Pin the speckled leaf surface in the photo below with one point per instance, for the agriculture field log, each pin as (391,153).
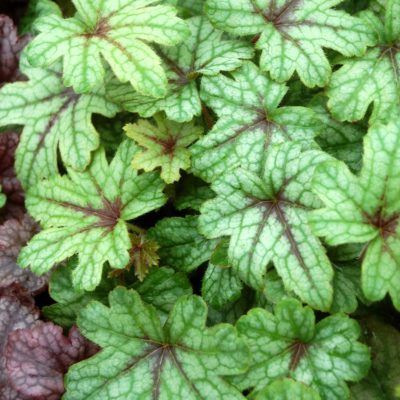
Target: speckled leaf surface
(179,359)
(266,214)
(85,213)
(165,145)
(38,357)
(250,120)
(181,245)
(293,34)
(54,118)
(288,343)
(366,209)
(205,52)
(114,30)
(372,78)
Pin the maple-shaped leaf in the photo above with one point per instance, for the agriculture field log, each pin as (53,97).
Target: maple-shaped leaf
(10,48)
(54,118)
(165,145)
(293,33)
(288,343)
(181,245)
(204,53)
(266,216)
(114,30)
(384,376)
(372,78)
(35,10)
(85,213)
(17,311)
(14,234)
(366,209)
(250,120)
(287,389)
(37,359)
(178,359)
(10,186)
(342,140)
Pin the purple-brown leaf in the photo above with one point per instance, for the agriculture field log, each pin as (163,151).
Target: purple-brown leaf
(14,234)
(11,187)
(17,311)
(10,49)
(38,358)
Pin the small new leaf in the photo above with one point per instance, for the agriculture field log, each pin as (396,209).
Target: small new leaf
(290,344)
(293,33)
(58,119)
(180,359)
(366,209)
(204,53)
(37,359)
(372,78)
(85,213)
(250,121)
(166,146)
(266,214)
(118,31)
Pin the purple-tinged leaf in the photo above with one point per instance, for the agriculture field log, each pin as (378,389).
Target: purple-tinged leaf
(10,48)
(17,311)
(14,234)
(38,358)
(8,179)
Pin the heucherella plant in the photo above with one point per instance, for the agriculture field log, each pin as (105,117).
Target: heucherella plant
(201,198)
(366,209)
(116,30)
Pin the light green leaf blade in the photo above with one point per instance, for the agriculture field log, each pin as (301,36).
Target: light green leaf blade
(250,120)
(384,375)
(287,389)
(289,343)
(293,33)
(54,117)
(116,31)
(266,213)
(181,245)
(372,78)
(165,145)
(181,359)
(85,213)
(366,209)
(205,52)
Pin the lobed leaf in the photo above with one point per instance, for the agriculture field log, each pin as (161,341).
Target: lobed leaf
(179,359)
(116,30)
(85,213)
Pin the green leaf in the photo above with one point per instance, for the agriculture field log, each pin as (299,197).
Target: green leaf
(366,209)
(181,245)
(35,10)
(192,193)
(372,78)
(165,145)
(118,31)
(340,139)
(54,118)
(205,52)
(220,286)
(293,33)
(287,389)
(181,359)
(250,120)
(384,375)
(85,213)
(289,343)
(3,199)
(266,213)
